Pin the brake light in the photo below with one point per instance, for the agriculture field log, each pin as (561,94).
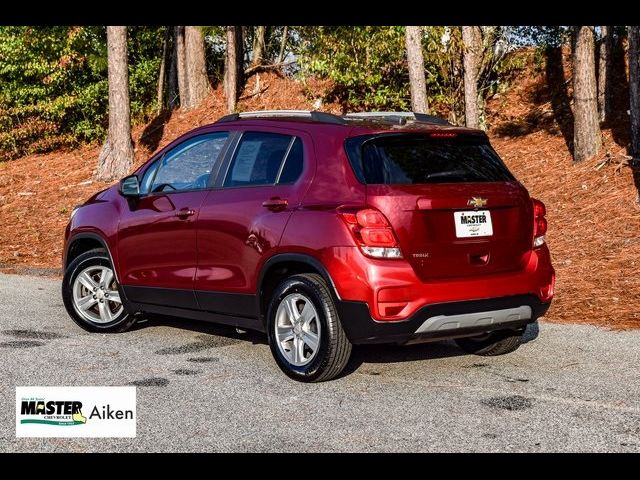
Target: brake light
(371,218)
(539,210)
(373,233)
(443,135)
(378,237)
(539,223)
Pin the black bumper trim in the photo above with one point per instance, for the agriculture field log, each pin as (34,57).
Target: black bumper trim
(361,328)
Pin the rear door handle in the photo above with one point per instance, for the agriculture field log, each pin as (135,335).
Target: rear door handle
(276,203)
(185,213)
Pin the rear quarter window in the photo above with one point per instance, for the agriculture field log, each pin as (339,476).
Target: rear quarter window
(406,159)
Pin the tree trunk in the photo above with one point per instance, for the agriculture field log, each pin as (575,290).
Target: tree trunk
(172,94)
(160,98)
(415,59)
(181,62)
(604,72)
(283,44)
(196,67)
(471,59)
(586,129)
(259,46)
(116,156)
(634,89)
(233,66)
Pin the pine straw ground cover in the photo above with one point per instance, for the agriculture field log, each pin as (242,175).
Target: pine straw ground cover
(594,219)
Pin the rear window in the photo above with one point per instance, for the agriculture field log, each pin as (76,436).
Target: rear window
(417,159)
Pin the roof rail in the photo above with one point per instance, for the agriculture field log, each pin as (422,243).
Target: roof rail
(312,114)
(400,117)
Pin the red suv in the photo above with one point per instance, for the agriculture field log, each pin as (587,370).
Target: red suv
(321,231)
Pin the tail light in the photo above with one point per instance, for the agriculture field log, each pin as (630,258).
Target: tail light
(539,223)
(373,233)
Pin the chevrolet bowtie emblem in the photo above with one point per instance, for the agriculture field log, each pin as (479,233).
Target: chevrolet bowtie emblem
(477,202)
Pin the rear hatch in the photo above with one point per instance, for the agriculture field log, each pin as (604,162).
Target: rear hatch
(455,207)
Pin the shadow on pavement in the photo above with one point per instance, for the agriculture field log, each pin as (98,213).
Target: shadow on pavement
(371,354)
(149,320)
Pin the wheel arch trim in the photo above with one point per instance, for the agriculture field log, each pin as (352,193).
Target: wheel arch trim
(92,236)
(300,258)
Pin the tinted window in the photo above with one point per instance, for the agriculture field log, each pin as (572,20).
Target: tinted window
(188,165)
(409,159)
(257,159)
(293,164)
(145,185)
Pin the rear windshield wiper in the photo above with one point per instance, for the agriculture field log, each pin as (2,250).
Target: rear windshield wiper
(449,173)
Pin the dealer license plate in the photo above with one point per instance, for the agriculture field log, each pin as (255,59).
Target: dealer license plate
(473,223)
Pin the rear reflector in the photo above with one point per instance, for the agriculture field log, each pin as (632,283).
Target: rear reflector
(547,292)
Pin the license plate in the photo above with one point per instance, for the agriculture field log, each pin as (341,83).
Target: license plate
(473,223)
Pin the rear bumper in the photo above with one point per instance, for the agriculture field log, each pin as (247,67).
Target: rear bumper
(443,320)
(394,293)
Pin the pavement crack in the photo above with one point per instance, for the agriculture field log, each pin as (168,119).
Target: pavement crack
(508,378)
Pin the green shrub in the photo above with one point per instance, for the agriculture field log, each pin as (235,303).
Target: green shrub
(54,90)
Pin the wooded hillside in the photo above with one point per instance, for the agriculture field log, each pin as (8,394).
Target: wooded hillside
(553,100)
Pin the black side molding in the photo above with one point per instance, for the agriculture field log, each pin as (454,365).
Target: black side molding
(237,310)
(170,297)
(242,304)
(234,321)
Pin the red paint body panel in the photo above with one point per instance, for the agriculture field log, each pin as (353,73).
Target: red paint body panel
(422,217)
(100,215)
(236,235)
(156,248)
(393,283)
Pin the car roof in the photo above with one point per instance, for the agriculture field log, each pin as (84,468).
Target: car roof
(350,124)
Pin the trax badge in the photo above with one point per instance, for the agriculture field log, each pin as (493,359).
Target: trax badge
(477,202)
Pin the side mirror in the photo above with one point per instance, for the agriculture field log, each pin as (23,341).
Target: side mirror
(130,186)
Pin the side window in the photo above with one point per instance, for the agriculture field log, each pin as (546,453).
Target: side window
(257,159)
(293,164)
(187,166)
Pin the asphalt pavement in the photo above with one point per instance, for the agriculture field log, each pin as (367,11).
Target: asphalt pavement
(203,387)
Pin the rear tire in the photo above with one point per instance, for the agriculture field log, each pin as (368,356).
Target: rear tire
(91,295)
(491,344)
(305,334)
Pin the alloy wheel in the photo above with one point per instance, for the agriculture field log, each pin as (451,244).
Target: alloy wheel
(95,295)
(297,329)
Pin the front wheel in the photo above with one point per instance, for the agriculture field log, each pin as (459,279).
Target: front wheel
(91,295)
(493,343)
(305,334)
